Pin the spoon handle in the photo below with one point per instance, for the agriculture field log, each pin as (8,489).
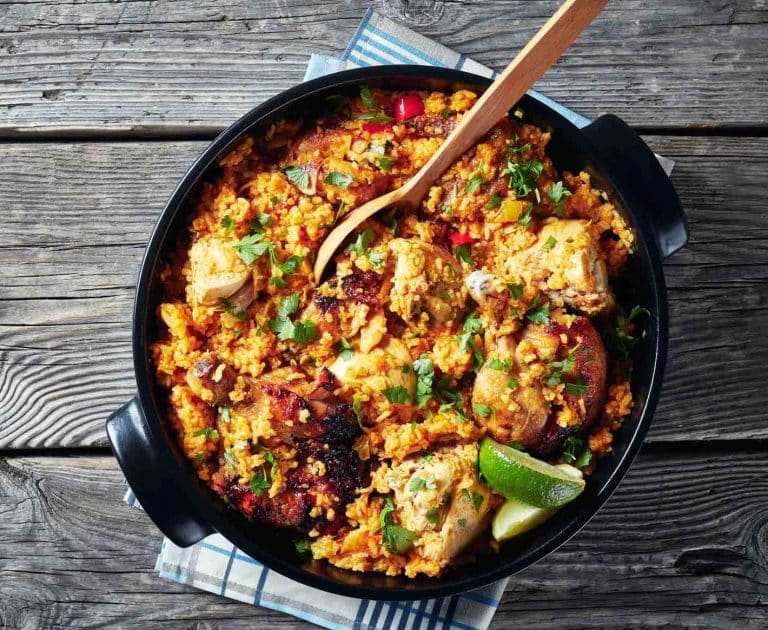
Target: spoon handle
(526,68)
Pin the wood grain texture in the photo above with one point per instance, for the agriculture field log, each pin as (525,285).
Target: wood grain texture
(71,555)
(195,66)
(69,275)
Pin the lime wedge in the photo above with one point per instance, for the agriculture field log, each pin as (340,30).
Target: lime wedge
(515,517)
(517,475)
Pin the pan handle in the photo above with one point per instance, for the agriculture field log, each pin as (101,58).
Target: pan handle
(162,501)
(638,174)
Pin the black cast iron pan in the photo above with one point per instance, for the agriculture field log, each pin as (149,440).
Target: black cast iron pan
(186,510)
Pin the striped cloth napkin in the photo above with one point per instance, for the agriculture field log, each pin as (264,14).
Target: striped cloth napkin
(216,565)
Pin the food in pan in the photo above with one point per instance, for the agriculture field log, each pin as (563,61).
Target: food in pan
(448,387)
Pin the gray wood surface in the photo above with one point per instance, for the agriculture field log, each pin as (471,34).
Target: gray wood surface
(103,105)
(682,543)
(65,311)
(194,66)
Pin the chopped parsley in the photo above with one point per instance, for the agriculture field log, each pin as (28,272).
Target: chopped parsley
(227,223)
(238,312)
(512,383)
(419,483)
(208,432)
(549,243)
(538,313)
(200,456)
(433,516)
(363,242)
(577,388)
(557,194)
(519,150)
(298,175)
(374,112)
(251,247)
(515,290)
(523,175)
(525,218)
(474,183)
(300,331)
(395,538)
(494,201)
(498,364)
(259,482)
(464,253)
(385,163)
(446,209)
(482,410)
(424,369)
(347,351)
(445,112)
(558,369)
(620,340)
(397,395)
(302,546)
(471,326)
(339,179)
(428,456)
(377,259)
(576,452)
(462,522)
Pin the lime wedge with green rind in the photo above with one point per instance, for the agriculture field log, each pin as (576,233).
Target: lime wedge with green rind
(517,475)
(515,517)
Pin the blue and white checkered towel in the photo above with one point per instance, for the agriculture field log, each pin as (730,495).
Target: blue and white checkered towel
(217,566)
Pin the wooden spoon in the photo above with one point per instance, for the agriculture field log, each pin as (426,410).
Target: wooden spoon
(531,62)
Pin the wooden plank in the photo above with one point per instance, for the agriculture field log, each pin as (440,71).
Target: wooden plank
(69,273)
(682,544)
(194,67)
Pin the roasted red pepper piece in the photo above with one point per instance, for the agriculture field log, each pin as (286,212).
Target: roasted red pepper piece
(373,127)
(460,238)
(408,106)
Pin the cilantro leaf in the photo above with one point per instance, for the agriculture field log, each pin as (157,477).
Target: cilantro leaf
(515,290)
(250,247)
(259,483)
(549,243)
(363,242)
(301,332)
(536,313)
(482,410)
(493,202)
(577,388)
(620,340)
(433,516)
(302,546)
(339,179)
(397,395)
(298,175)
(523,175)
(525,218)
(445,112)
(557,192)
(424,369)
(238,312)
(208,432)
(474,183)
(366,95)
(385,163)
(464,253)
(575,451)
(397,539)
(417,484)
(227,223)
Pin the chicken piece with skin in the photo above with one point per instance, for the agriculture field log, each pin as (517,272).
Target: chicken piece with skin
(441,499)
(427,285)
(517,408)
(575,355)
(564,264)
(216,271)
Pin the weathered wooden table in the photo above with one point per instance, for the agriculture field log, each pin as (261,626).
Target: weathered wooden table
(102,108)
